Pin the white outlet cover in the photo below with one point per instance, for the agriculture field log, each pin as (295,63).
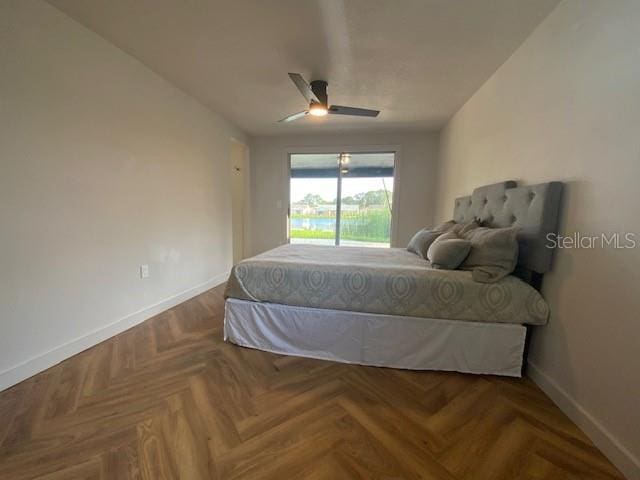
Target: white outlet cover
(144,271)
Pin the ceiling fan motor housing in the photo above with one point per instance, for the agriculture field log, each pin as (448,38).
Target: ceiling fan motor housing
(316,94)
(319,88)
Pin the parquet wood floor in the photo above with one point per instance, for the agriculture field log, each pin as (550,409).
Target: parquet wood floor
(169,399)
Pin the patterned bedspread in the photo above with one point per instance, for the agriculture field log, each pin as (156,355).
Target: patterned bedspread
(387,281)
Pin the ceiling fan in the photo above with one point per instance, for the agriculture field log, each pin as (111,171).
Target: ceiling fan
(316,94)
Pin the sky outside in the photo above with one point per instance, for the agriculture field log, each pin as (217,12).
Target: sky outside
(327,187)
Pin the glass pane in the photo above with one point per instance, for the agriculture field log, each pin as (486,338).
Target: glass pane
(366,199)
(313,190)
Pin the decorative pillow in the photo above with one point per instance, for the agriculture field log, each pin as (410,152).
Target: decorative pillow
(493,255)
(461,229)
(453,226)
(420,242)
(448,251)
(445,226)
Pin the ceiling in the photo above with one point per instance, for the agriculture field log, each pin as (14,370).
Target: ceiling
(417,61)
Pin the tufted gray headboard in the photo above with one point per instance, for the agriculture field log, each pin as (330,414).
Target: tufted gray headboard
(533,208)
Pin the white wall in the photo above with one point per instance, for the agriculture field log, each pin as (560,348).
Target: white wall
(104,166)
(416,163)
(566,106)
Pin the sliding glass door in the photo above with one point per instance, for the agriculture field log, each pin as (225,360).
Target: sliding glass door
(341,199)
(312,197)
(366,199)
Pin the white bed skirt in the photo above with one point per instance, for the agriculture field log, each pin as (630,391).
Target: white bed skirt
(377,340)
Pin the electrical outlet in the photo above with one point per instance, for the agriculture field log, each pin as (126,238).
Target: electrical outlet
(144,271)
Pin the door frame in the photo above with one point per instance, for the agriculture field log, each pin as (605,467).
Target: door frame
(337,150)
(246,212)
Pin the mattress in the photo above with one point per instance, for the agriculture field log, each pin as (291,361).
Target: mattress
(383,281)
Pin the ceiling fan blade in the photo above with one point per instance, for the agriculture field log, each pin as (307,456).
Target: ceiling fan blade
(358,112)
(304,87)
(295,116)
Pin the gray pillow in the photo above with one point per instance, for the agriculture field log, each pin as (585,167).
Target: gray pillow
(453,226)
(445,226)
(461,229)
(448,251)
(493,255)
(420,242)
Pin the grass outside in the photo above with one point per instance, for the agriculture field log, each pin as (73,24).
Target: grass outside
(373,226)
(328,235)
(315,234)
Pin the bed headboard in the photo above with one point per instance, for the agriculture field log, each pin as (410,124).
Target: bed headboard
(533,208)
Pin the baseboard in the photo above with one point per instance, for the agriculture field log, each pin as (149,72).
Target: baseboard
(619,455)
(39,363)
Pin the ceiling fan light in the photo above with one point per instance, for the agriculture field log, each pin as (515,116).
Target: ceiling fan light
(318,110)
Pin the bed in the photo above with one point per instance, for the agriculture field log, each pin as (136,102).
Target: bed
(388,307)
